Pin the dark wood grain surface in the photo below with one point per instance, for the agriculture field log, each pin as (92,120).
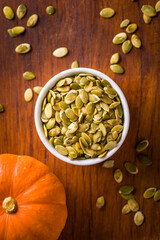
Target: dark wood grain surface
(78,26)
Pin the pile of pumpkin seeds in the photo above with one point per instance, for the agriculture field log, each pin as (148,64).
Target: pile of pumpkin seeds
(149,12)
(82,117)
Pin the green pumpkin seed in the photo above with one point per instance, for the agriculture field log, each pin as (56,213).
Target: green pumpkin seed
(124,23)
(102,154)
(149,193)
(32,20)
(115,58)
(88,87)
(8,12)
(119,38)
(72,152)
(108,164)
(116,68)
(60,52)
(126,46)
(64,118)
(51,123)
(126,209)
(133,205)
(54,131)
(157,6)
(144,159)
(100,202)
(50,10)
(84,96)
(118,176)
(37,89)
(90,108)
(70,114)
(146,19)
(117,128)
(138,218)
(131,168)
(21,11)
(23,48)
(61,149)
(157,195)
(48,110)
(16,31)
(71,96)
(28,95)
(126,189)
(72,128)
(107,12)
(75,86)
(45,131)
(136,41)
(142,145)
(29,76)
(1,108)
(131,28)
(75,64)
(127,197)
(148,10)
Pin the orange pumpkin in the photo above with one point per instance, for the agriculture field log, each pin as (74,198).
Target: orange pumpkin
(32,200)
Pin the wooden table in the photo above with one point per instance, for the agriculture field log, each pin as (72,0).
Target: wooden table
(78,26)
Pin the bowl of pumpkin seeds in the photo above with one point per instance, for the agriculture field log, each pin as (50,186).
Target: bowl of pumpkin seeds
(82,116)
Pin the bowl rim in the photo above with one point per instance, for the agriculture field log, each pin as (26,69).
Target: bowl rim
(37,114)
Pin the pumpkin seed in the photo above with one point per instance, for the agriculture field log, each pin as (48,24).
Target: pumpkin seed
(84,96)
(23,48)
(108,164)
(127,197)
(119,38)
(21,11)
(144,159)
(54,131)
(115,58)
(48,110)
(50,10)
(70,114)
(133,205)
(32,20)
(126,209)
(61,149)
(100,202)
(126,46)
(157,195)
(71,96)
(146,19)
(124,23)
(138,218)
(29,76)
(102,154)
(45,131)
(118,176)
(16,31)
(142,145)
(1,108)
(75,64)
(126,189)
(131,28)
(107,12)
(157,6)
(28,95)
(148,10)
(37,89)
(116,68)
(73,127)
(51,123)
(60,52)
(72,152)
(136,41)
(131,168)
(90,108)
(149,192)
(8,12)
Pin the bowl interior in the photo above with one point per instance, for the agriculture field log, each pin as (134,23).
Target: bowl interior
(38,123)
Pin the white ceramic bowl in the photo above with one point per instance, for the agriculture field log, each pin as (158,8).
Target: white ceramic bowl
(50,85)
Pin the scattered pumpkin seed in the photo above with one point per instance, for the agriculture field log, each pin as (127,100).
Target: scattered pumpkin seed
(75,64)
(128,196)
(126,209)
(23,48)
(50,10)
(126,189)
(149,192)
(136,41)
(131,28)
(148,10)
(115,58)
(131,168)
(28,95)
(157,195)
(116,68)
(157,6)
(29,76)
(119,38)
(1,108)
(124,23)
(126,46)
(108,164)
(118,176)
(100,202)
(146,19)
(32,20)
(16,31)
(133,205)
(138,218)
(142,145)
(107,12)
(21,11)
(144,159)
(60,52)
(37,89)
(8,12)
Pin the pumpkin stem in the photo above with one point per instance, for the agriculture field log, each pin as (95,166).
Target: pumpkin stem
(10,205)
